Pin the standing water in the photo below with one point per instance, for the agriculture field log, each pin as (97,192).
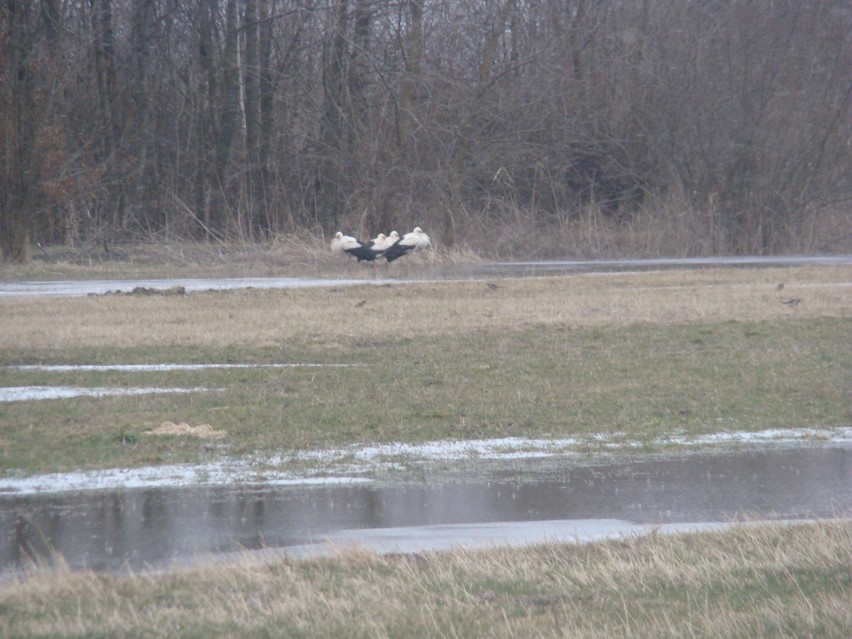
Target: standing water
(554,499)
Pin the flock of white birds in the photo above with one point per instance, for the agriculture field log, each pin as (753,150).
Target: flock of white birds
(390,247)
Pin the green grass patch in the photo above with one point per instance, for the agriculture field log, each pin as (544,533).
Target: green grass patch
(636,383)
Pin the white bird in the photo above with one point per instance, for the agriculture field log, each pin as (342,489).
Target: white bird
(382,242)
(347,244)
(409,243)
(379,243)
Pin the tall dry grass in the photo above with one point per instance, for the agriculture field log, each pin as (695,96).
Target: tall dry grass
(668,228)
(419,310)
(665,228)
(762,581)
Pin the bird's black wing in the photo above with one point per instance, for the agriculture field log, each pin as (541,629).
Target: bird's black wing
(396,251)
(362,253)
(375,252)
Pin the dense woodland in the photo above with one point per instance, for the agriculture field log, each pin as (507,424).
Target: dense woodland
(725,124)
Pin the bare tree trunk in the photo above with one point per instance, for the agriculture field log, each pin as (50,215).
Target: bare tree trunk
(576,18)
(330,196)
(229,109)
(412,52)
(145,190)
(267,115)
(251,115)
(87,214)
(358,75)
(17,131)
(202,182)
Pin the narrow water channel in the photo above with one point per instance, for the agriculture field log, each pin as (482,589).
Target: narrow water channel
(145,528)
(368,275)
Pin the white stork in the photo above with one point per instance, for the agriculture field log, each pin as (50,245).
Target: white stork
(409,243)
(347,244)
(382,242)
(379,243)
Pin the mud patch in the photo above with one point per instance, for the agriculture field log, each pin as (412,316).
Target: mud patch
(148,290)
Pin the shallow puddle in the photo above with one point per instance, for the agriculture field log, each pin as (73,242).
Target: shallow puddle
(546,499)
(33,393)
(155,368)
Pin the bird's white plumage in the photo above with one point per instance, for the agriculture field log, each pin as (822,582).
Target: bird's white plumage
(390,246)
(379,242)
(342,243)
(409,243)
(417,239)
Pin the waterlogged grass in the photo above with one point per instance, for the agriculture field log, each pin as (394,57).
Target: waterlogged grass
(635,383)
(746,582)
(635,357)
(631,356)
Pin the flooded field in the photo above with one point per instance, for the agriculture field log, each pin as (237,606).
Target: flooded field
(518,483)
(521,502)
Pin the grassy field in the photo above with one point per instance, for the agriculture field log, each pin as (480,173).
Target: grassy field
(632,356)
(771,581)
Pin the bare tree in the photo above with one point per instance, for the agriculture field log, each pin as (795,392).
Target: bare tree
(122,119)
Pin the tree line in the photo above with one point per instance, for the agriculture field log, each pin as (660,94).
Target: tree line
(222,119)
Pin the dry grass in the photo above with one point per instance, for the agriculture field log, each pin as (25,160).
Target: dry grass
(294,255)
(637,384)
(268,318)
(638,355)
(746,582)
(202,431)
(669,227)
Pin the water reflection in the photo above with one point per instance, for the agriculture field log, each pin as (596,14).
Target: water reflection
(139,528)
